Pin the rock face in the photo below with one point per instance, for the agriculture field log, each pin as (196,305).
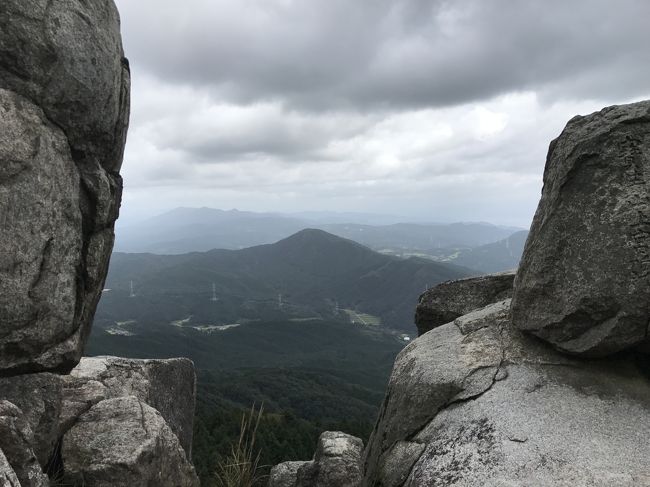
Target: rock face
(54,404)
(16,439)
(169,386)
(449,300)
(124,442)
(337,462)
(39,396)
(476,402)
(7,475)
(64,106)
(285,474)
(584,280)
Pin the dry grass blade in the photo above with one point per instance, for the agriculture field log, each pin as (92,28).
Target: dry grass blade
(241,468)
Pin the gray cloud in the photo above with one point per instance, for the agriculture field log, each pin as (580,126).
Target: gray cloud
(384,53)
(222,133)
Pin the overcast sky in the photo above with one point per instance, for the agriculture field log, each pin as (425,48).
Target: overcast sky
(430,109)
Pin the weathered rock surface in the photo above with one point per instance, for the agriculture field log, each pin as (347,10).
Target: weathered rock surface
(449,300)
(64,103)
(476,402)
(124,442)
(64,108)
(167,385)
(285,474)
(7,475)
(337,462)
(40,397)
(16,439)
(584,280)
(53,403)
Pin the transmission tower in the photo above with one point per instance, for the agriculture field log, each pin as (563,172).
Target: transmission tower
(214,293)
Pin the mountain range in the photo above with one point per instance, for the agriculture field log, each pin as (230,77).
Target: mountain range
(185,230)
(312,274)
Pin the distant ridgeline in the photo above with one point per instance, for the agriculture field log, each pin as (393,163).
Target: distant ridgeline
(480,246)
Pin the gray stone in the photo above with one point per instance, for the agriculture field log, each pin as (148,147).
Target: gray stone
(64,103)
(584,279)
(124,442)
(67,58)
(16,440)
(476,402)
(167,385)
(449,300)
(7,475)
(40,396)
(53,403)
(285,474)
(41,244)
(397,462)
(337,462)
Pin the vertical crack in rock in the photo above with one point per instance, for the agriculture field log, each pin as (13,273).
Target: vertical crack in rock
(42,268)
(143,421)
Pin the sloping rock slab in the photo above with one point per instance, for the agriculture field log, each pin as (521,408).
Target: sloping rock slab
(449,300)
(478,403)
(124,442)
(584,280)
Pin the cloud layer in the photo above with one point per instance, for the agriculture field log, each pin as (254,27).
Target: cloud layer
(428,108)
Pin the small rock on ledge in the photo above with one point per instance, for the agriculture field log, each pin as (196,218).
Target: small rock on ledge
(336,463)
(449,300)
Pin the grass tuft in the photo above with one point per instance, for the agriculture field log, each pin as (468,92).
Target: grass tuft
(241,467)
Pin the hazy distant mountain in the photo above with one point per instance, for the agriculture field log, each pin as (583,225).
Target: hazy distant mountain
(200,229)
(494,257)
(312,271)
(326,217)
(423,237)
